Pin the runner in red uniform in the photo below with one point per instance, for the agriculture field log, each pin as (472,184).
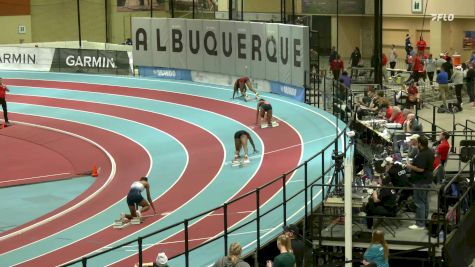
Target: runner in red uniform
(3,102)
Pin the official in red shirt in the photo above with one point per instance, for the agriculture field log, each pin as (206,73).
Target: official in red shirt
(421,45)
(444,147)
(417,67)
(336,66)
(412,96)
(3,102)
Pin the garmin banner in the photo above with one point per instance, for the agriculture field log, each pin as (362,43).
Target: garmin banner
(91,61)
(268,51)
(26,58)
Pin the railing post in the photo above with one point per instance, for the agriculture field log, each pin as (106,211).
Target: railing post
(193,15)
(84,262)
(225,224)
(284,200)
(434,128)
(453,132)
(305,181)
(139,240)
(323,180)
(258,227)
(187,253)
(324,92)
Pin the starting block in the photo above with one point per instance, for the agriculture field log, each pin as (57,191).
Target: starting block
(120,224)
(266,125)
(239,163)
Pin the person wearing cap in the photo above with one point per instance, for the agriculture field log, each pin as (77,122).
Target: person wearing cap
(381,203)
(421,177)
(457,79)
(161,261)
(298,246)
(233,259)
(413,146)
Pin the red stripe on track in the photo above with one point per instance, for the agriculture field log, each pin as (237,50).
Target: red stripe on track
(41,155)
(191,136)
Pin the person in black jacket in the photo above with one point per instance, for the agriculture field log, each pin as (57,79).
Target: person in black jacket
(421,177)
(298,246)
(448,67)
(381,203)
(397,175)
(471,83)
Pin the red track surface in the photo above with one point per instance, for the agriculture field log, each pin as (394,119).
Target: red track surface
(39,155)
(273,164)
(182,191)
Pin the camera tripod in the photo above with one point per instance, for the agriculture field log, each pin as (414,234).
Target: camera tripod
(338,173)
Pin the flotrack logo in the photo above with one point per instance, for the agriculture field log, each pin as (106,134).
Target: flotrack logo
(443,17)
(165,73)
(288,90)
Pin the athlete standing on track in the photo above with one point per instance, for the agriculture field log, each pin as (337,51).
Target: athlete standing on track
(264,108)
(135,199)
(240,140)
(3,102)
(241,84)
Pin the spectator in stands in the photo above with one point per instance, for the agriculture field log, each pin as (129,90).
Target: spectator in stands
(392,59)
(457,79)
(161,261)
(411,124)
(355,57)
(378,251)
(421,177)
(413,96)
(472,58)
(384,63)
(408,45)
(410,59)
(443,81)
(397,175)
(285,258)
(3,102)
(233,259)
(397,116)
(448,67)
(337,67)
(430,68)
(444,147)
(297,245)
(346,79)
(333,55)
(417,67)
(385,110)
(413,148)
(471,83)
(382,201)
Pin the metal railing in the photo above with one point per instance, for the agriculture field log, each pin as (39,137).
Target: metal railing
(254,195)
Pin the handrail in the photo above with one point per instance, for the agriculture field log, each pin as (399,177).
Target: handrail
(456,176)
(225,205)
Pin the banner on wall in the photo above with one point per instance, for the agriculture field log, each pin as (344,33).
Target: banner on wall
(165,73)
(91,61)
(269,51)
(297,93)
(26,58)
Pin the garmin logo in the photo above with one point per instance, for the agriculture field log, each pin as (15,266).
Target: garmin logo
(165,73)
(288,90)
(20,58)
(92,62)
(443,17)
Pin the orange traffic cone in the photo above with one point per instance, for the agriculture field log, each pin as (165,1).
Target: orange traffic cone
(94,171)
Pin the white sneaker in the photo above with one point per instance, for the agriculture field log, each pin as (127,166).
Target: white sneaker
(122,216)
(415,227)
(246,160)
(139,214)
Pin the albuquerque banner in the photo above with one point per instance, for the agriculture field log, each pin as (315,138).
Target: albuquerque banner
(268,51)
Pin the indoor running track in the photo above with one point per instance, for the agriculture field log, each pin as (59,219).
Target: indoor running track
(180,135)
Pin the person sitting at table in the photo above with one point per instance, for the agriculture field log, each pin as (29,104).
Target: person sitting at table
(397,175)
(411,124)
(381,203)
(385,110)
(413,147)
(397,116)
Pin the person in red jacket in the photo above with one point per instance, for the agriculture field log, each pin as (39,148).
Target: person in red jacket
(384,63)
(412,96)
(421,45)
(444,147)
(418,67)
(397,116)
(336,67)
(3,102)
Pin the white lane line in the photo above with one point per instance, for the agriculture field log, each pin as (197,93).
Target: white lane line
(35,177)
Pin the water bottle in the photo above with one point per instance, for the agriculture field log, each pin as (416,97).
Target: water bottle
(441,235)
